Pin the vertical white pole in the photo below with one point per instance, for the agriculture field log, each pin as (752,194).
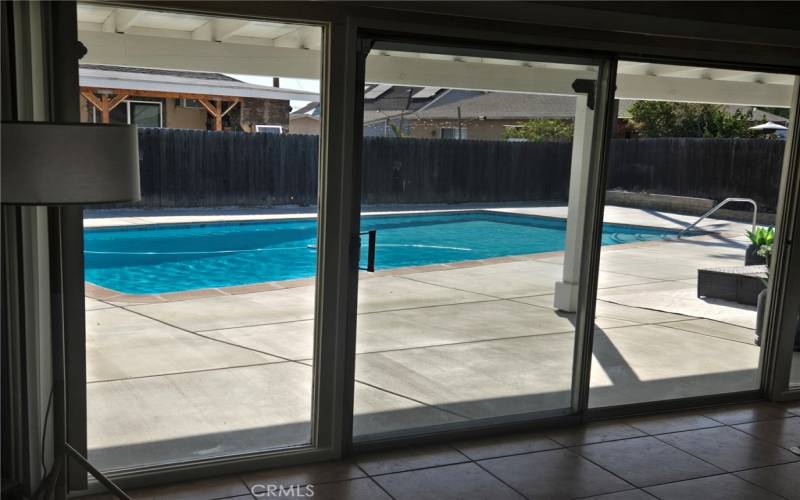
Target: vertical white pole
(566,290)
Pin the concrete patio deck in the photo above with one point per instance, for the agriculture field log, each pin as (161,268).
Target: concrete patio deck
(207,376)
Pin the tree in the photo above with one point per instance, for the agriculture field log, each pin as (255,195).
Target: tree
(541,130)
(680,119)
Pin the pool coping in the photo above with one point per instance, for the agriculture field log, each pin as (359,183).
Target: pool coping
(109,295)
(301,217)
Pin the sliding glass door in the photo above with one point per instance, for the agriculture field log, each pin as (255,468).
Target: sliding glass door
(695,163)
(200,298)
(473,165)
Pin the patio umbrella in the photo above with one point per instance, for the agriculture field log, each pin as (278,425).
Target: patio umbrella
(768,127)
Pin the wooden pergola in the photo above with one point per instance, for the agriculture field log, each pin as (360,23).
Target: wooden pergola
(105,100)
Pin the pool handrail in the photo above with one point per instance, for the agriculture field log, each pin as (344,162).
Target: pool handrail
(720,205)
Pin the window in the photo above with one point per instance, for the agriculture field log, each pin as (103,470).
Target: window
(454,132)
(144,114)
(139,113)
(269,129)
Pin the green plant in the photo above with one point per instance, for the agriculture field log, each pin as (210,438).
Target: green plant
(762,236)
(396,130)
(681,119)
(541,130)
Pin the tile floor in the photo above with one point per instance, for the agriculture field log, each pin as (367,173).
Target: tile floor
(729,452)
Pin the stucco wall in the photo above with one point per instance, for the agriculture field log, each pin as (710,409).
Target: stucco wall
(177,116)
(304,125)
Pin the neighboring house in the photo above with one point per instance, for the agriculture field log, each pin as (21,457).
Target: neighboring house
(436,113)
(478,115)
(305,121)
(182,99)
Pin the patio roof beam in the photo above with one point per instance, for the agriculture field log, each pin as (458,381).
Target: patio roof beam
(215,110)
(157,94)
(104,104)
(304,37)
(227,28)
(199,55)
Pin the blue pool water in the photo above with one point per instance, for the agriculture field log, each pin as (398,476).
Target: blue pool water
(170,258)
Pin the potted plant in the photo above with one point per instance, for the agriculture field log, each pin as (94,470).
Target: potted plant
(760,237)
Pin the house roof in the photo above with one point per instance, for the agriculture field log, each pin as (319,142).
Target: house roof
(181,82)
(498,106)
(445,103)
(197,75)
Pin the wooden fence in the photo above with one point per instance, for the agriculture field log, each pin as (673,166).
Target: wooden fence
(188,168)
(703,168)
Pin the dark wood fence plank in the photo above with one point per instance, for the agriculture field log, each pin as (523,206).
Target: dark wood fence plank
(195,168)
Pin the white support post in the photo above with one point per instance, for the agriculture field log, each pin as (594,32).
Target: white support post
(566,291)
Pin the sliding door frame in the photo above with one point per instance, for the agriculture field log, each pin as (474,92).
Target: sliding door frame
(398,40)
(782,308)
(774,358)
(328,405)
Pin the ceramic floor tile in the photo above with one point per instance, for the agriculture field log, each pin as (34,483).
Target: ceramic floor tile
(300,475)
(746,413)
(206,489)
(782,432)
(723,487)
(595,432)
(781,479)
(624,495)
(554,474)
(498,446)
(671,422)
(646,461)
(452,482)
(400,460)
(728,448)
(791,406)
(354,489)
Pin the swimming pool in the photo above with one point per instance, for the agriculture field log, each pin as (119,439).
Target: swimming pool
(171,258)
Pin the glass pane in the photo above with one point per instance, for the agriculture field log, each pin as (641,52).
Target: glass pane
(678,317)
(457,324)
(145,114)
(117,115)
(200,316)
